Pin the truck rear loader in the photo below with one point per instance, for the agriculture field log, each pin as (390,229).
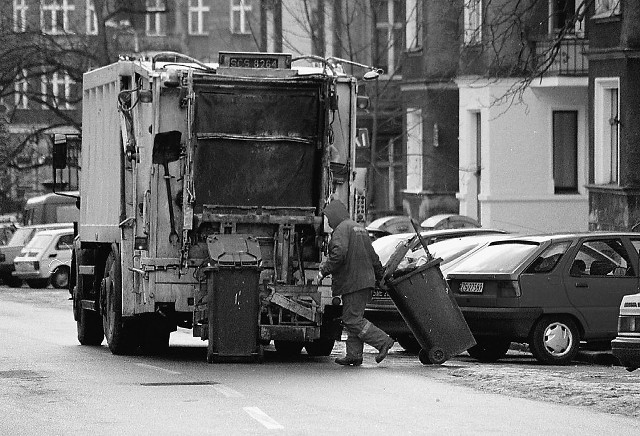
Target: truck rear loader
(201,199)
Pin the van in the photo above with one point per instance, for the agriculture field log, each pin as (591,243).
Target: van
(51,208)
(17,242)
(46,259)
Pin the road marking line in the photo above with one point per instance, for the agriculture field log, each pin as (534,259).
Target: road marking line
(227,391)
(157,368)
(262,418)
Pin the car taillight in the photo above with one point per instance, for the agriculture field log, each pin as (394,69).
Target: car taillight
(629,324)
(36,265)
(509,289)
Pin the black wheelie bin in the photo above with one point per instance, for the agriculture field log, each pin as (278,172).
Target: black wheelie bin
(426,304)
(233,299)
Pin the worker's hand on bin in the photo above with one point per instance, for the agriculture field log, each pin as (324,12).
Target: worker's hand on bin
(320,276)
(382,284)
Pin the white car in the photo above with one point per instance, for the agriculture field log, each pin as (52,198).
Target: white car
(46,259)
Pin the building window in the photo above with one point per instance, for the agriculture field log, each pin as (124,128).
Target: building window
(607,131)
(156,20)
(563,17)
(20,88)
(607,8)
(57,91)
(565,152)
(414,150)
(198,13)
(20,9)
(389,17)
(91,18)
(54,16)
(414,24)
(240,10)
(472,22)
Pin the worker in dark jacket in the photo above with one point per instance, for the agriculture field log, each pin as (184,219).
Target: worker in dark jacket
(354,267)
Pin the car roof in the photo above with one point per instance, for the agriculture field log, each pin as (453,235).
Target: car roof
(56,232)
(434,220)
(385,223)
(539,238)
(50,226)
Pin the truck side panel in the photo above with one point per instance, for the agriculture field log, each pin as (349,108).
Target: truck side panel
(101,177)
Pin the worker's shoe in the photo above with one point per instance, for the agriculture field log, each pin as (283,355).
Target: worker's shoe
(384,350)
(349,361)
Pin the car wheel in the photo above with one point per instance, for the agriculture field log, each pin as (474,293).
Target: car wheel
(117,330)
(38,283)
(409,343)
(60,278)
(555,341)
(321,347)
(489,350)
(288,348)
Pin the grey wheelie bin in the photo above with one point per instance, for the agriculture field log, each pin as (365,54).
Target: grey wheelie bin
(233,304)
(426,304)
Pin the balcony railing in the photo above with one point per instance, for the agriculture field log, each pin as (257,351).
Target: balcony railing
(563,58)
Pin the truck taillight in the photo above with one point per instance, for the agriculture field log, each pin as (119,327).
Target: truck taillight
(629,324)
(142,243)
(36,265)
(509,289)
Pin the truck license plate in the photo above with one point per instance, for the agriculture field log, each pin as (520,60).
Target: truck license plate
(472,287)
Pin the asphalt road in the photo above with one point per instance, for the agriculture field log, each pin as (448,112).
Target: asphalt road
(51,385)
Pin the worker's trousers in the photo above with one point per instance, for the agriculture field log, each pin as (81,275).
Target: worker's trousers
(359,330)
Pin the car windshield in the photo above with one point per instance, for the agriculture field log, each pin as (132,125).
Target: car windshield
(39,242)
(499,257)
(448,249)
(20,237)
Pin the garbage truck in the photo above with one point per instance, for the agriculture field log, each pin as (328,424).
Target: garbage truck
(201,197)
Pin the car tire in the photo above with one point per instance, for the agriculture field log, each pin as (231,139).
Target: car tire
(555,340)
(489,350)
(38,283)
(117,330)
(409,343)
(288,348)
(60,278)
(320,347)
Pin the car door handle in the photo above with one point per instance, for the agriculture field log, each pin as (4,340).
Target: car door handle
(581,285)
(53,255)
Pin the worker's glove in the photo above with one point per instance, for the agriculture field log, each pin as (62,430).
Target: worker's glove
(382,284)
(320,276)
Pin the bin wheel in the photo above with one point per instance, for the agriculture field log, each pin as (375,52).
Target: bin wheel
(436,355)
(423,356)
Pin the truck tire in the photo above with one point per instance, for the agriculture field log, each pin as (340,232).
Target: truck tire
(118,331)
(89,327)
(320,347)
(60,277)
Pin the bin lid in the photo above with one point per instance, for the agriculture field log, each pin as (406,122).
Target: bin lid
(234,250)
(398,255)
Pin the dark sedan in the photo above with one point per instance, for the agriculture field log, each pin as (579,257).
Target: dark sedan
(551,291)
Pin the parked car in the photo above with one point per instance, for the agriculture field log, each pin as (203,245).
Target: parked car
(446,244)
(389,225)
(7,229)
(46,259)
(449,221)
(549,291)
(17,242)
(626,346)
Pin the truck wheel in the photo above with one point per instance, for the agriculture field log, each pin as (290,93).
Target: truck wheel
(38,283)
(89,327)
(489,350)
(555,340)
(320,347)
(288,348)
(60,278)
(117,330)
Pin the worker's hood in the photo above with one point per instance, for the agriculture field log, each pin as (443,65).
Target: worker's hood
(336,212)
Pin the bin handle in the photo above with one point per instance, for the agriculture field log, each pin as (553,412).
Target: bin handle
(417,229)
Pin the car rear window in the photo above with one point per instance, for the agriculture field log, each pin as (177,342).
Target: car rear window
(20,237)
(39,242)
(498,257)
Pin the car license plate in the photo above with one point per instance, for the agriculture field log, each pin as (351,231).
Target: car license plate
(380,294)
(471,287)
